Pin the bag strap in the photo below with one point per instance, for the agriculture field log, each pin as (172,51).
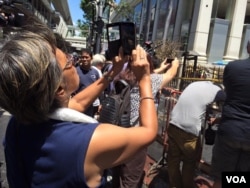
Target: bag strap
(135,122)
(124,82)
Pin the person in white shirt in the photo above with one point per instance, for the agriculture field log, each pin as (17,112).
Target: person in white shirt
(186,120)
(97,63)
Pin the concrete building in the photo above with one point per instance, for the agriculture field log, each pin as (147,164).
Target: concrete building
(215,30)
(56,15)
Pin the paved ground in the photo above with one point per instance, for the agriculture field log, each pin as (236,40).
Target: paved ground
(4,118)
(156,175)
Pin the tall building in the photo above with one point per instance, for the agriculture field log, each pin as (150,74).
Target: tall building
(215,30)
(56,15)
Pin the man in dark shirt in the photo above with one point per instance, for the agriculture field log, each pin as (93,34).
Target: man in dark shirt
(87,75)
(231,151)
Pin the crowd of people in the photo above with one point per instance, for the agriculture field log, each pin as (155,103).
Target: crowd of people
(54,139)
(49,142)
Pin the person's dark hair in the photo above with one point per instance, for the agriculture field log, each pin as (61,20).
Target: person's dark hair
(156,62)
(88,51)
(62,44)
(29,77)
(152,61)
(128,74)
(42,30)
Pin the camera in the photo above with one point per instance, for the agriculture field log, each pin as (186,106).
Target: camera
(121,34)
(150,47)
(9,13)
(169,60)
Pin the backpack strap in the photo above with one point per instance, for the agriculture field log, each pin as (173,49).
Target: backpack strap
(135,122)
(120,85)
(124,82)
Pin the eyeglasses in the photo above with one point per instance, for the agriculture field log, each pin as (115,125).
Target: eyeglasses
(70,62)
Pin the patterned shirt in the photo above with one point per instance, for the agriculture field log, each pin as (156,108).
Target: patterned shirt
(156,80)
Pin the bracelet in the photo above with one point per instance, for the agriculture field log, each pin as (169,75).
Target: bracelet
(151,98)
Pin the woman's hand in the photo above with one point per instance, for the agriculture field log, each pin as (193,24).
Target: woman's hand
(140,64)
(163,66)
(175,62)
(119,61)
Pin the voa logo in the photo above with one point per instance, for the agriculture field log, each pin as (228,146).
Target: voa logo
(236,179)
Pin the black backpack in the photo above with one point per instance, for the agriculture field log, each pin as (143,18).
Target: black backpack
(116,107)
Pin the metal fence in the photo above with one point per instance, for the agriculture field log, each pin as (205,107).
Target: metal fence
(192,73)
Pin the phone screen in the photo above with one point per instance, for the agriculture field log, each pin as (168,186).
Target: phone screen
(121,34)
(114,41)
(128,37)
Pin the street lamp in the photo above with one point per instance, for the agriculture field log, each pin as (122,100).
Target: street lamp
(98,23)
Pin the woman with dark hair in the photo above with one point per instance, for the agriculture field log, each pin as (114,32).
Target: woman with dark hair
(46,143)
(128,175)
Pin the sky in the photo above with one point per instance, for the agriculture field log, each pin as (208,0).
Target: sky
(75,10)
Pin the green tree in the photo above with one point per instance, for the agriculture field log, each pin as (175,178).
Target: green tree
(84,26)
(87,7)
(125,11)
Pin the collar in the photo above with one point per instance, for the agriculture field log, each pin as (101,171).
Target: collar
(67,114)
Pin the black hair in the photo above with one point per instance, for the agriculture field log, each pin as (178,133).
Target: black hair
(88,51)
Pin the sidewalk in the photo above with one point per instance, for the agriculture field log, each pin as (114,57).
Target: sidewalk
(158,177)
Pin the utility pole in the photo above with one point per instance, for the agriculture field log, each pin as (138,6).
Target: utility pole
(99,25)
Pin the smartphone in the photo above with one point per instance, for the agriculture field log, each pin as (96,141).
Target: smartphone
(121,34)
(169,60)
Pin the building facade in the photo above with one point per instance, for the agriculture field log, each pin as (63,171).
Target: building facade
(57,16)
(215,30)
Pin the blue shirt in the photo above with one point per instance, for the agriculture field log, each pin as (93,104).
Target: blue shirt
(47,155)
(87,77)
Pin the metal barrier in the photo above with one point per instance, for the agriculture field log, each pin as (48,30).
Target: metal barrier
(200,72)
(167,100)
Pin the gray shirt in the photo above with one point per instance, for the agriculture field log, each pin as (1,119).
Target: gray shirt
(189,112)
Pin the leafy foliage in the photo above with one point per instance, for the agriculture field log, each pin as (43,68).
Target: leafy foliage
(87,7)
(125,11)
(84,27)
(168,49)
